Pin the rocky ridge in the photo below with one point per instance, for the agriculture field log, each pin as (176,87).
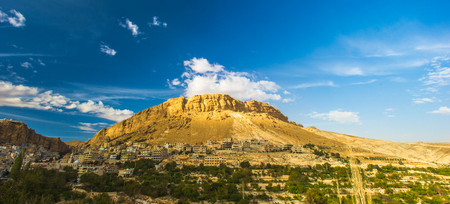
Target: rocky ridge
(18,133)
(207,117)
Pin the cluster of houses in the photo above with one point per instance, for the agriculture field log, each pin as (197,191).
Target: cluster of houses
(33,153)
(105,158)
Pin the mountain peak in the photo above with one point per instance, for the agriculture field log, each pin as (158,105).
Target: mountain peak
(206,117)
(217,103)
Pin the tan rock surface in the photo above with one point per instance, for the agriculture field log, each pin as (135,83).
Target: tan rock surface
(208,117)
(18,133)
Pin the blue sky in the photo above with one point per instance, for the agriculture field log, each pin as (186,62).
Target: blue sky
(377,70)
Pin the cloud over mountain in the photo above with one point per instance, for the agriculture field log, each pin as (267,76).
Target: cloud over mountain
(202,77)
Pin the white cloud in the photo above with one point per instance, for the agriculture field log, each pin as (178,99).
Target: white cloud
(202,65)
(349,71)
(430,89)
(389,109)
(156,22)
(367,82)
(307,85)
(18,20)
(438,74)
(41,63)
(201,77)
(107,50)
(31,97)
(176,82)
(131,26)
(391,116)
(423,100)
(287,100)
(26,65)
(286,92)
(104,111)
(442,110)
(90,126)
(337,115)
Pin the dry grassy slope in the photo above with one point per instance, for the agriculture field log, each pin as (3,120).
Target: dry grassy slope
(75,143)
(195,128)
(425,152)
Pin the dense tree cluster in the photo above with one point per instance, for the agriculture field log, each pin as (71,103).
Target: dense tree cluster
(221,183)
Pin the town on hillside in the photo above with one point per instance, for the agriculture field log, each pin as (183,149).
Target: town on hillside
(257,171)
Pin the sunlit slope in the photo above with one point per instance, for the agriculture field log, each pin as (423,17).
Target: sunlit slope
(208,117)
(418,151)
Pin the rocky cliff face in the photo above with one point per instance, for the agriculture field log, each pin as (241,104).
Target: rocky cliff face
(18,133)
(194,119)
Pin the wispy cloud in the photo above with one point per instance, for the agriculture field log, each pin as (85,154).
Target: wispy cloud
(22,55)
(307,85)
(90,126)
(367,82)
(337,115)
(111,93)
(41,63)
(287,100)
(27,65)
(156,22)
(388,112)
(389,50)
(16,20)
(21,117)
(424,100)
(439,72)
(107,50)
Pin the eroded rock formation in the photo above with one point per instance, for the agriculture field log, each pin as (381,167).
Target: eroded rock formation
(18,133)
(197,118)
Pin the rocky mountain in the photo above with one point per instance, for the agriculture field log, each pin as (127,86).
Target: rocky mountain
(208,117)
(18,133)
(214,117)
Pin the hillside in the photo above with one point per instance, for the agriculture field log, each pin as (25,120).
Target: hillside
(209,117)
(214,117)
(418,151)
(18,133)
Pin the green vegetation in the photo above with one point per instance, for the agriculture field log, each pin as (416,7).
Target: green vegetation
(311,184)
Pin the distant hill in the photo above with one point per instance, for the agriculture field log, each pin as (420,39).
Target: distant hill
(75,143)
(217,116)
(18,133)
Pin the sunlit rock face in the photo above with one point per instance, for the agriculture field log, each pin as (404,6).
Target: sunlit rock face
(205,117)
(18,133)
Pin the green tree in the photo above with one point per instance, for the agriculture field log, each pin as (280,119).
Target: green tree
(245,164)
(15,170)
(313,196)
